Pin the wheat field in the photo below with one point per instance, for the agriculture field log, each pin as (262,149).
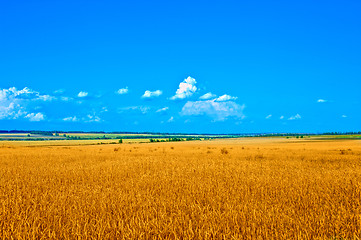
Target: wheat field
(254,188)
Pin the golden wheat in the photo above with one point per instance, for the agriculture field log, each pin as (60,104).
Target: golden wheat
(226,189)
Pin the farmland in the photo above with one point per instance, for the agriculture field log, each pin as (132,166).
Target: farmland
(244,188)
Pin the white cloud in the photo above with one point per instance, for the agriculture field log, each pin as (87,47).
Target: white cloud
(71,119)
(142,109)
(150,94)
(35,117)
(82,94)
(93,118)
(344,116)
(66,99)
(122,91)
(225,97)
(207,96)
(15,103)
(162,109)
(269,116)
(171,119)
(11,111)
(297,116)
(59,91)
(24,94)
(282,117)
(186,89)
(219,111)
(14,93)
(321,100)
(88,118)
(46,97)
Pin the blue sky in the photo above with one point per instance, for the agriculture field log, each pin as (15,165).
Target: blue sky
(181,66)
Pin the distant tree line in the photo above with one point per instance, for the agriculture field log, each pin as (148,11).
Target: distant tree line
(341,133)
(175,139)
(45,133)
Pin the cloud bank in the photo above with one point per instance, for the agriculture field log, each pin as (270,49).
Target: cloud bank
(219,111)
